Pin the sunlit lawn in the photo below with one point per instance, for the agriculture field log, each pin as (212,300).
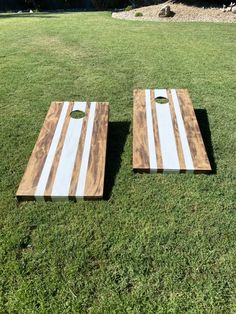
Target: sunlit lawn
(157,243)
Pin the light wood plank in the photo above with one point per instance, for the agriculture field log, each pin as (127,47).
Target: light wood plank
(177,135)
(156,133)
(52,175)
(198,151)
(96,167)
(77,165)
(140,144)
(36,162)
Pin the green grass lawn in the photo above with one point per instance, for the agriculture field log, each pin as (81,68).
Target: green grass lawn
(157,243)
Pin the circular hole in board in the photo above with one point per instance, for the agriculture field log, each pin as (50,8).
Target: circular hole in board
(161,100)
(77,114)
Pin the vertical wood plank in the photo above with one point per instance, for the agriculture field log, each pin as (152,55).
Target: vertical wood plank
(76,171)
(198,151)
(96,167)
(156,134)
(36,162)
(177,135)
(52,175)
(140,144)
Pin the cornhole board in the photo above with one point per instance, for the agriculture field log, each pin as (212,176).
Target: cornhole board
(68,160)
(166,136)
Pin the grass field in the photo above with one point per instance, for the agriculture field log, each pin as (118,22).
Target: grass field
(157,243)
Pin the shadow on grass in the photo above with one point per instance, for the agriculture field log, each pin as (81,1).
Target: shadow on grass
(44,14)
(15,15)
(117,135)
(203,122)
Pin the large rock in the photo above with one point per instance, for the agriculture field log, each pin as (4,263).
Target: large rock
(234,9)
(165,11)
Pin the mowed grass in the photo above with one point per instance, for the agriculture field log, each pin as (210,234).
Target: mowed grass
(157,243)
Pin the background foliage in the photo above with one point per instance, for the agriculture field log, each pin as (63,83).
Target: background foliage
(60,4)
(87,4)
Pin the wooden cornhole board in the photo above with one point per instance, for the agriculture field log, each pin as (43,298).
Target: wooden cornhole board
(166,136)
(68,160)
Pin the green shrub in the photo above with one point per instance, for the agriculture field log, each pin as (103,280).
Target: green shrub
(137,14)
(128,8)
(61,4)
(108,4)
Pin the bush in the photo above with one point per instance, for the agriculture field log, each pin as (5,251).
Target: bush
(137,14)
(128,8)
(98,4)
(55,4)
(109,4)
(139,3)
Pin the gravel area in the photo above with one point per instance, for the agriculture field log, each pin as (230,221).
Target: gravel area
(181,13)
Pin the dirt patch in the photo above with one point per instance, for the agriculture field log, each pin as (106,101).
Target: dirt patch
(180,13)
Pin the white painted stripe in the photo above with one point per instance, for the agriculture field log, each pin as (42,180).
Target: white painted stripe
(182,132)
(160,93)
(167,138)
(61,186)
(39,193)
(86,153)
(151,140)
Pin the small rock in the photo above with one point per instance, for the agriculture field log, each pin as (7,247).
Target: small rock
(30,11)
(19,12)
(165,11)
(234,9)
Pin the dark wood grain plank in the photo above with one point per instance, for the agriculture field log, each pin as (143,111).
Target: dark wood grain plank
(140,141)
(52,175)
(94,185)
(176,132)
(156,133)
(36,162)
(79,154)
(197,147)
